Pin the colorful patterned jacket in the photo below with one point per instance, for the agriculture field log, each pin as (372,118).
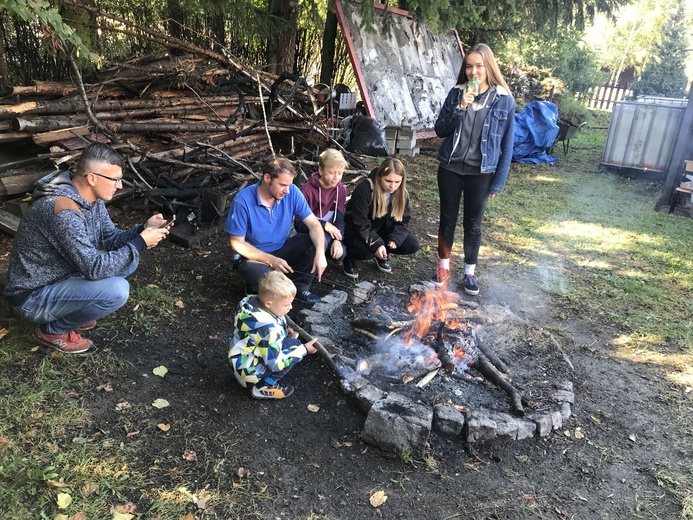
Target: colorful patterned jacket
(260,345)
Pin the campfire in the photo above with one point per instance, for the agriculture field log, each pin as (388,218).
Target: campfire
(435,339)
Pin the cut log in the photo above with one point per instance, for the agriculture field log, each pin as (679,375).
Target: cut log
(15,184)
(490,372)
(9,223)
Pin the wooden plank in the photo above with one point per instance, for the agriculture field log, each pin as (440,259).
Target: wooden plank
(57,135)
(689,165)
(9,223)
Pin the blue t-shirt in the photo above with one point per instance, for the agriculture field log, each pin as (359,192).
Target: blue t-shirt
(265,228)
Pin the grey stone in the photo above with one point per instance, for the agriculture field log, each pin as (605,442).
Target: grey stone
(556,420)
(367,396)
(398,425)
(544,424)
(340,297)
(506,425)
(361,293)
(565,412)
(311,317)
(448,420)
(525,429)
(418,287)
(480,426)
(563,396)
(324,307)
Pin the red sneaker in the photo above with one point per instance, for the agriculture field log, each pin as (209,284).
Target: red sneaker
(88,326)
(69,343)
(441,277)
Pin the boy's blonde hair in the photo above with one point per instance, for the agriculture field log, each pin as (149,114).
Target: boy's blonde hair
(275,284)
(332,157)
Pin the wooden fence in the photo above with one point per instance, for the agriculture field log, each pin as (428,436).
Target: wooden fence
(603,98)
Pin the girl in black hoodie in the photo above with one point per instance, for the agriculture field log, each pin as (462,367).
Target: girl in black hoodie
(377,218)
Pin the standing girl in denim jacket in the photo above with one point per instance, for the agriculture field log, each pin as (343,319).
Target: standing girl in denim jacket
(476,122)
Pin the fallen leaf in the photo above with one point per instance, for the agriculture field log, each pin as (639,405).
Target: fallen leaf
(128,507)
(89,488)
(201,503)
(122,516)
(82,515)
(595,420)
(37,415)
(136,308)
(160,371)
(180,304)
(313,408)
(243,472)
(190,455)
(378,498)
(164,427)
(580,497)
(407,379)
(57,484)
(60,517)
(106,387)
(335,444)
(160,403)
(123,405)
(347,444)
(567,433)
(3,333)
(214,337)
(152,286)
(34,349)
(63,500)
(632,437)
(189,516)
(579,434)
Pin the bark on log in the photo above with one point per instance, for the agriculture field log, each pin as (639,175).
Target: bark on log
(485,367)
(15,184)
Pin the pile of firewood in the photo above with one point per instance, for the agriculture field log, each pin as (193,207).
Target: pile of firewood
(184,124)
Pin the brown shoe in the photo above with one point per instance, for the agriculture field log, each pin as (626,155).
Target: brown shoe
(69,343)
(87,326)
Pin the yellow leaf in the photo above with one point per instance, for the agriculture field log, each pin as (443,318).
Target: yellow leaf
(3,333)
(136,308)
(122,516)
(160,371)
(160,403)
(60,517)
(163,427)
(378,498)
(313,408)
(180,304)
(63,500)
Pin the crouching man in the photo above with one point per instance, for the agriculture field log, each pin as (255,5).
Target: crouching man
(68,265)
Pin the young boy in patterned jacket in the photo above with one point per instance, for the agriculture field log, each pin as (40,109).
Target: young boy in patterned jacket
(263,349)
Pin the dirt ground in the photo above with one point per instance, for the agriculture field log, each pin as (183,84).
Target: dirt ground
(305,463)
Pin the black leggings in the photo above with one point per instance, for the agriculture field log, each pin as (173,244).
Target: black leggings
(451,187)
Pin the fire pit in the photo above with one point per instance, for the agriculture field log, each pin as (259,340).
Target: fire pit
(431,360)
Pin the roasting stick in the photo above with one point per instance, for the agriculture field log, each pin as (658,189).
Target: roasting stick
(323,351)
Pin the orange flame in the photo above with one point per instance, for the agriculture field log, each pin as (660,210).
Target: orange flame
(428,307)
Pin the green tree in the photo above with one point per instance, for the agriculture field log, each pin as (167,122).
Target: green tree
(665,73)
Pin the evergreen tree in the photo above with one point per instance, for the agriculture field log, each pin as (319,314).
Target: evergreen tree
(665,74)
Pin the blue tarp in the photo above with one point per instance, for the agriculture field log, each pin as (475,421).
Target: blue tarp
(536,129)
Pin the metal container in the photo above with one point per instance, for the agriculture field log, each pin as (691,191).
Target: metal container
(641,136)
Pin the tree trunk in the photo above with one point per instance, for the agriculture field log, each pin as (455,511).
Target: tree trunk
(281,48)
(4,71)
(329,40)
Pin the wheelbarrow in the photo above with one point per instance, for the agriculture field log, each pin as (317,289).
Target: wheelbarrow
(566,130)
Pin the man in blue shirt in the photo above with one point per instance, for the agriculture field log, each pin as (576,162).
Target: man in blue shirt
(259,223)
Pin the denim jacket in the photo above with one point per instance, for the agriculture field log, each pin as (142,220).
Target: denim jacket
(496,137)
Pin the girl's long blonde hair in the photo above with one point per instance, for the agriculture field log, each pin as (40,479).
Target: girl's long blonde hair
(399,198)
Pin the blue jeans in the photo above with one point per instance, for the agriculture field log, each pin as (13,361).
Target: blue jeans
(65,306)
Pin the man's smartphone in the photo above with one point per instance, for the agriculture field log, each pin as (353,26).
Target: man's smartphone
(168,222)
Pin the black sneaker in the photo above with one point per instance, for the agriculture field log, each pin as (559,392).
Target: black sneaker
(276,391)
(441,277)
(350,268)
(383,266)
(307,297)
(470,286)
